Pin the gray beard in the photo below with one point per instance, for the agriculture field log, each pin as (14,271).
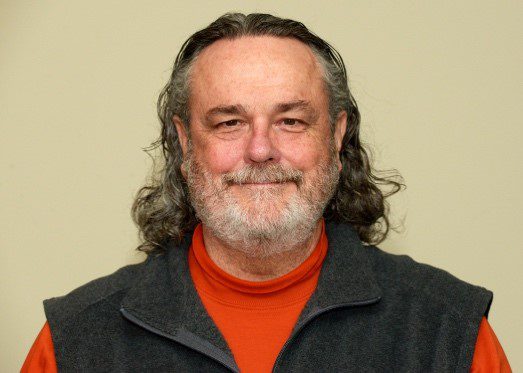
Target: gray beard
(252,232)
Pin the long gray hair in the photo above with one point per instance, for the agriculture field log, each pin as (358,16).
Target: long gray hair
(162,209)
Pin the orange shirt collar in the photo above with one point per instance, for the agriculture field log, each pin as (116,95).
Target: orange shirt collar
(223,287)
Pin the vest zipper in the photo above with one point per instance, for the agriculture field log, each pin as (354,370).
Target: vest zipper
(187,339)
(312,316)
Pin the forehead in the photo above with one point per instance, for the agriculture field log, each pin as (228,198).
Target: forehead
(252,70)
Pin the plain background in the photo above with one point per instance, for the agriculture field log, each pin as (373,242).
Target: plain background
(438,84)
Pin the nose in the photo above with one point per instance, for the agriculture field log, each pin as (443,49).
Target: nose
(261,145)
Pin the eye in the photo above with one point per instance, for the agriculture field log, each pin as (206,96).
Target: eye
(229,127)
(293,125)
(231,123)
(290,121)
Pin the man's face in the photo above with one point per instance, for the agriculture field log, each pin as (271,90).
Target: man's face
(262,161)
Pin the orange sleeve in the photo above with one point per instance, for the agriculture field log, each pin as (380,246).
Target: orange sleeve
(488,354)
(41,356)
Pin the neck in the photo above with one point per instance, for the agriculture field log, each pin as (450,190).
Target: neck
(238,263)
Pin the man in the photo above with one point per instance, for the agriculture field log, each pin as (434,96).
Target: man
(254,232)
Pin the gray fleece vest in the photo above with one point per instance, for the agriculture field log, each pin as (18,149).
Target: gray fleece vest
(371,312)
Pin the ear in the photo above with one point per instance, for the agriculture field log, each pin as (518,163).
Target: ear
(339,132)
(182,134)
(184,139)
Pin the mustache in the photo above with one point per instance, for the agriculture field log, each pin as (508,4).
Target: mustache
(273,173)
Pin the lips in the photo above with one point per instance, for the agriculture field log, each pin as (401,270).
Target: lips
(264,182)
(267,175)
(270,183)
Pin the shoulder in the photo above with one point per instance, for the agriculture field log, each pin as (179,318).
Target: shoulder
(404,277)
(108,290)
(404,281)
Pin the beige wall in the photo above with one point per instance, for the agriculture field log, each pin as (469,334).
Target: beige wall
(440,90)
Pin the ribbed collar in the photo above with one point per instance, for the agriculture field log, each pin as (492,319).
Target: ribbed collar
(211,281)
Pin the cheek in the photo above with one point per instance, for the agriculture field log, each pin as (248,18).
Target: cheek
(305,153)
(220,158)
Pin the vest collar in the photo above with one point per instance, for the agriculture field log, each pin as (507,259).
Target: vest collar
(165,301)
(347,277)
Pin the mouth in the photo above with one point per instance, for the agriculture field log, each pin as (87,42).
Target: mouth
(269,176)
(264,184)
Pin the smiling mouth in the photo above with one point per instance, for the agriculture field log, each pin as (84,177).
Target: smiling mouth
(264,184)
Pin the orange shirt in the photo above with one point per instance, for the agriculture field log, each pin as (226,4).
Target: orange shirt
(256,318)
(41,356)
(488,354)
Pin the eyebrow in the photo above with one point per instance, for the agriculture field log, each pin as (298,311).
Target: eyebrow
(302,105)
(294,105)
(226,109)
(278,108)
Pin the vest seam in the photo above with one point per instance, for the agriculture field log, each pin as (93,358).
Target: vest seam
(147,320)
(451,307)
(94,303)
